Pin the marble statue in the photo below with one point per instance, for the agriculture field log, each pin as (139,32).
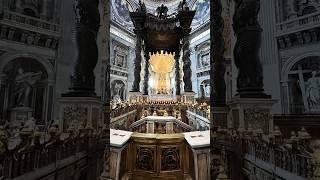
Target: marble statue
(118,91)
(207,91)
(24,82)
(313,91)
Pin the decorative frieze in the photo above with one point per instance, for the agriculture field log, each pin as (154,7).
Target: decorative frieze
(28,37)
(299,38)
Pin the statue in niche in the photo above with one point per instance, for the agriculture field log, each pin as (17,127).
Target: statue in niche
(118,91)
(205,61)
(207,90)
(202,91)
(24,82)
(313,91)
(120,61)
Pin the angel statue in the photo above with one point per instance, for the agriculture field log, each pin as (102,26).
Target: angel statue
(24,82)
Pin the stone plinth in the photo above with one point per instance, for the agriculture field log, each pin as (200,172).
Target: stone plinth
(118,142)
(254,113)
(20,115)
(86,111)
(219,116)
(199,142)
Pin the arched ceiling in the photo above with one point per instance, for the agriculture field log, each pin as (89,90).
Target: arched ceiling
(120,10)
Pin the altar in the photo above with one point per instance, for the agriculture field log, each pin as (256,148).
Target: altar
(160,125)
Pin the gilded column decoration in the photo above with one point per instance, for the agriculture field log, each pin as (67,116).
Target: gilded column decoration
(217,61)
(87,24)
(246,51)
(137,65)
(177,68)
(146,74)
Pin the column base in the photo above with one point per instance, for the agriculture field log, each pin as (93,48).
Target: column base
(86,111)
(251,113)
(19,115)
(219,116)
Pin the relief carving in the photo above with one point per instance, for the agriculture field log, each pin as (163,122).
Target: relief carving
(170,159)
(145,158)
(257,119)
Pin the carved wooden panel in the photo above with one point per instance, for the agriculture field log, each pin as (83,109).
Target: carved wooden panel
(145,158)
(170,158)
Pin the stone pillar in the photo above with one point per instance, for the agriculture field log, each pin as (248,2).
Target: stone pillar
(219,109)
(44,13)
(118,143)
(87,24)
(137,63)
(186,63)
(199,143)
(177,67)
(115,161)
(146,74)
(3,97)
(217,61)
(150,127)
(169,128)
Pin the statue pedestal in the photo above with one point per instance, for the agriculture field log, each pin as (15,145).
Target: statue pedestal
(20,115)
(251,113)
(86,111)
(219,116)
(188,97)
(135,97)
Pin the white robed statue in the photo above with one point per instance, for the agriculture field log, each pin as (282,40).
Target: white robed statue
(24,82)
(313,91)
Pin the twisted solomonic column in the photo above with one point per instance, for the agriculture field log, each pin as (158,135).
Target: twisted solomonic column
(137,65)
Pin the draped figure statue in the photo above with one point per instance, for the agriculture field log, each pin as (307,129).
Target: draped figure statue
(24,82)
(313,91)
